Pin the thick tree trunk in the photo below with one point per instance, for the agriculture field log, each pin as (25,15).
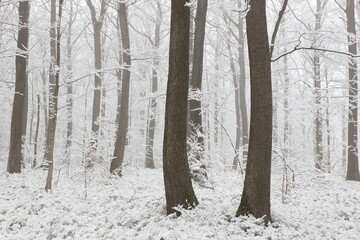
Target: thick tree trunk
(255,199)
(121,133)
(178,185)
(150,131)
(15,156)
(353,159)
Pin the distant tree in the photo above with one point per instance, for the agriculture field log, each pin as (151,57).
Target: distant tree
(196,122)
(178,185)
(69,85)
(21,78)
(318,121)
(36,137)
(123,117)
(50,137)
(255,199)
(150,131)
(353,159)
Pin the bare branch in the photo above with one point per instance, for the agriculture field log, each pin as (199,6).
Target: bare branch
(277,26)
(314,49)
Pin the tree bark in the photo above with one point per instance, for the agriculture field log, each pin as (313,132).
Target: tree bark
(196,125)
(69,89)
(353,160)
(150,131)
(237,107)
(36,132)
(319,144)
(97,26)
(50,138)
(15,156)
(255,199)
(178,185)
(242,89)
(119,151)
(286,107)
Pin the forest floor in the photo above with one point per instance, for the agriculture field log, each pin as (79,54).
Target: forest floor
(317,206)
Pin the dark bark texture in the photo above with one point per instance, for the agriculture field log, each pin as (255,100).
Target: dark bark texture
(353,160)
(121,133)
(255,199)
(15,156)
(178,185)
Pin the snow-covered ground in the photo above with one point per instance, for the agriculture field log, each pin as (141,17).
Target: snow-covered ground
(318,206)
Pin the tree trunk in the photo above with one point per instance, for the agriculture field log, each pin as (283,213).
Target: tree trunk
(150,131)
(353,160)
(36,132)
(196,77)
(15,156)
(237,108)
(25,117)
(50,138)
(286,108)
(178,185)
(255,199)
(242,88)
(319,146)
(69,90)
(97,26)
(119,151)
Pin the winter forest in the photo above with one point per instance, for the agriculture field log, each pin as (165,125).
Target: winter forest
(157,119)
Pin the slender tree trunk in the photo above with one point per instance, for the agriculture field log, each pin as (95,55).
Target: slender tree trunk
(50,139)
(353,159)
(45,98)
(36,131)
(15,156)
(52,68)
(196,77)
(178,185)
(319,146)
(216,100)
(237,107)
(286,108)
(119,151)
(150,131)
(191,58)
(242,87)
(95,126)
(344,135)
(328,130)
(255,199)
(25,117)
(69,90)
